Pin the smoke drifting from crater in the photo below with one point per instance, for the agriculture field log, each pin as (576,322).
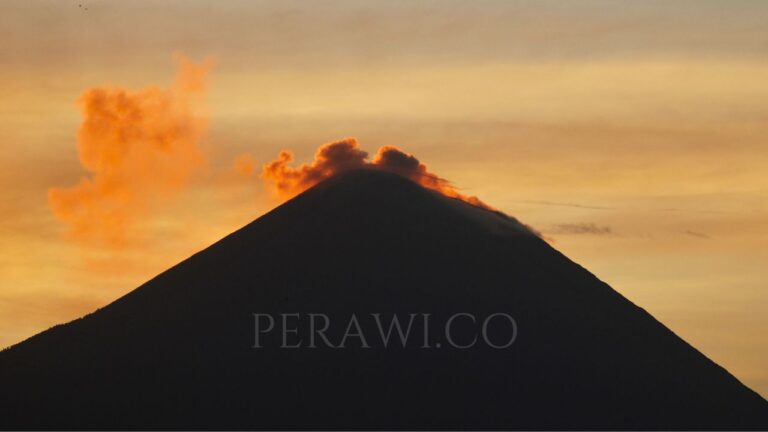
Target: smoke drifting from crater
(139,147)
(339,156)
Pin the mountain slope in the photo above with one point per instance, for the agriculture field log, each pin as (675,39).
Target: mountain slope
(178,352)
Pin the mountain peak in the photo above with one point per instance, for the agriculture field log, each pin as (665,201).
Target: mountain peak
(180,351)
(370,190)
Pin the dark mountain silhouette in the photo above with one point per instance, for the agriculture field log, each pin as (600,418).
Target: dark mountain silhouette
(178,351)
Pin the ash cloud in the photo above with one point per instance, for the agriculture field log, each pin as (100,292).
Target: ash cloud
(339,156)
(138,148)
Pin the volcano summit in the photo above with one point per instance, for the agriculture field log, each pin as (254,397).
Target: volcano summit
(178,352)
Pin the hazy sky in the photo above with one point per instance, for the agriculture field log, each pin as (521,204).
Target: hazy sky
(633,134)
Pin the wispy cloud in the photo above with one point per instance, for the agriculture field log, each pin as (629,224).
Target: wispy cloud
(673,209)
(696,234)
(566,204)
(581,228)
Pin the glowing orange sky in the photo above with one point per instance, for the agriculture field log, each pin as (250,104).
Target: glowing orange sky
(632,133)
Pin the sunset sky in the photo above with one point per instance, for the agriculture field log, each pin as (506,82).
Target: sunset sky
(632,134)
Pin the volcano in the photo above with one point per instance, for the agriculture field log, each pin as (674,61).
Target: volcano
(193,348)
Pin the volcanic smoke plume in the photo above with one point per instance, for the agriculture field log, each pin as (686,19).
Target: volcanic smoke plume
(139,147)
(339,156)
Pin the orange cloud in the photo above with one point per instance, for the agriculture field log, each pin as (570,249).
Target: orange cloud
(330,159)
(139,147)
(338,156)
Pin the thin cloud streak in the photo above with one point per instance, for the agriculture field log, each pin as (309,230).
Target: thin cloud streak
(696,234)
(566,204)
(588,228)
